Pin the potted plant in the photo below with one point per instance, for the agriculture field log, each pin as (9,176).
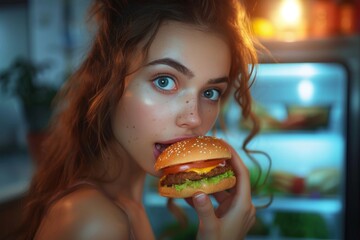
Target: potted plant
(21,79)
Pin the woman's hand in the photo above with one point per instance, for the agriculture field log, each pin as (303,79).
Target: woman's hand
(235,214)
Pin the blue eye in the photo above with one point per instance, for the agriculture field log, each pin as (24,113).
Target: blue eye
(165,83)
(212,94)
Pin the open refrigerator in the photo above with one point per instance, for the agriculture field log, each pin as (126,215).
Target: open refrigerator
(302,111)
(307,97)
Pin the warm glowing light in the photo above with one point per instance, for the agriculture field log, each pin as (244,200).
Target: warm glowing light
(288,18)
(306,90)
(290,11)
(263,28)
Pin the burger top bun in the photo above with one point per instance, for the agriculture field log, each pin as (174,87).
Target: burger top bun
(191,150)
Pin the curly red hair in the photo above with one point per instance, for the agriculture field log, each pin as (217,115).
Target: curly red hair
(81,128)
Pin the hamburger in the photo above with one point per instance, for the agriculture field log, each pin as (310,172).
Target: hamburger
(193,165)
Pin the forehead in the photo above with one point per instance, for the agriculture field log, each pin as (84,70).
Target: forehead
(189,44)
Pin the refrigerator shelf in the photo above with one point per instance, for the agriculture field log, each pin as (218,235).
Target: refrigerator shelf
(298,153)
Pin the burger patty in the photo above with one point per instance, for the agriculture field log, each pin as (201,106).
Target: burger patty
(181,177)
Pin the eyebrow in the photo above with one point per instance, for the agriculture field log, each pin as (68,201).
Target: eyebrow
(174,64)
(219,80)
(184,70)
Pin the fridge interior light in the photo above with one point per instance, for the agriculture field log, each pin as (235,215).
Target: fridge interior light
(306,90)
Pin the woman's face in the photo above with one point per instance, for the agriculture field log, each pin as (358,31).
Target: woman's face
(175,92)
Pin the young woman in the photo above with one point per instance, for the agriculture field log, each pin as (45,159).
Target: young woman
(158,72)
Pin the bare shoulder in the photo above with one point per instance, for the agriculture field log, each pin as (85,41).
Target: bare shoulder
(84,214)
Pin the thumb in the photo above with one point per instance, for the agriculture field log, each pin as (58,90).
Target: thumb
(205,211)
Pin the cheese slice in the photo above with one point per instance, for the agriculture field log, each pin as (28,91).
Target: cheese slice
(201,170)
(197,170)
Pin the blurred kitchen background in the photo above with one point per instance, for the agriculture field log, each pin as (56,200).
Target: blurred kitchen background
(307,95)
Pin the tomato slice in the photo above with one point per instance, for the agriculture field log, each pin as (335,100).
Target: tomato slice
(187,166)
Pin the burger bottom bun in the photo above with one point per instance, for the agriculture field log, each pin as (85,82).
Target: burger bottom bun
(171,192)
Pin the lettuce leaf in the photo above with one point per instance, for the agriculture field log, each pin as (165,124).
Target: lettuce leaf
(198,183)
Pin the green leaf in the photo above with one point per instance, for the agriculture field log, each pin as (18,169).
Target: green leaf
(198,183)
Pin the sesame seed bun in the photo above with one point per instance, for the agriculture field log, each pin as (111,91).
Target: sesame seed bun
(201,175)
(191,150)
(171,192)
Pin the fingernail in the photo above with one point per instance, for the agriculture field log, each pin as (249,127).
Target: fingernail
(200,198)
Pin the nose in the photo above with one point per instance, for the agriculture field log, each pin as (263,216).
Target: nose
(189,116)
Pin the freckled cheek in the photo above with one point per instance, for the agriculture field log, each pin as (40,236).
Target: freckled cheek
(210,115)
(145,115)
(153,114)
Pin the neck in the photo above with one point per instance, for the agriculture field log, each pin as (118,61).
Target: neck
(127,186)
(127,178)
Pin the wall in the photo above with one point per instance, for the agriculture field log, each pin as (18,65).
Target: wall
(14,36)
(45,31)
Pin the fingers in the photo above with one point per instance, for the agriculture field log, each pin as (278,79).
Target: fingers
(205,211)
(221,196)
(241,207)
(189,201)
(243,186)
(251,219)
(224,199)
